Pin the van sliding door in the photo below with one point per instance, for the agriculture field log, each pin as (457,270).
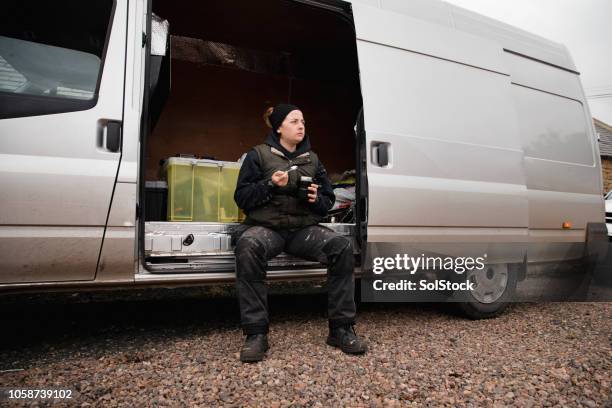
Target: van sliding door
(61,110)
(444,161)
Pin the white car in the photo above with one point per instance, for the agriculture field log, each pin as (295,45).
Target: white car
(608,199)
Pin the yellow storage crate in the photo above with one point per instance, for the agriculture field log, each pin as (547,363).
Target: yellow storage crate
(202,190)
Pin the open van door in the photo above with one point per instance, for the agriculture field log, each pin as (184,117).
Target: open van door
(444,161)
(62,68)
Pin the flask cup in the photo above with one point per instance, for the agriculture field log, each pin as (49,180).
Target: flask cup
(303,191)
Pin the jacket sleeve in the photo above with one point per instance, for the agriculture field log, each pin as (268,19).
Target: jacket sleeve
(252,190)
(325,192)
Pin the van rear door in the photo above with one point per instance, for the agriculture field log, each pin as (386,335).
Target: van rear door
(61,108)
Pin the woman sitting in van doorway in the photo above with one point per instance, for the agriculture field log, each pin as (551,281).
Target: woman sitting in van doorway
(282,216)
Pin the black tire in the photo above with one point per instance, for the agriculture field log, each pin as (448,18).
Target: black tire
(476,308)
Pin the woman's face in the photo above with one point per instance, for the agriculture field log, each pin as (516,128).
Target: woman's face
(293,128)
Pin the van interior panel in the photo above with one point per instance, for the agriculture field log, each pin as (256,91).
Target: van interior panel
(218,112)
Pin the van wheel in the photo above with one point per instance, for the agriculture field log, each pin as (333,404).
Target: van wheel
(495,286)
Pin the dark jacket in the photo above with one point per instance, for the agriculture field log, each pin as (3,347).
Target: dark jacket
(253,191)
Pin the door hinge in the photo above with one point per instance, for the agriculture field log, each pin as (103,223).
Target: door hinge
(137,211)
(144,39)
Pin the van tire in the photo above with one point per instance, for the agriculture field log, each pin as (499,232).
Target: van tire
(476,309)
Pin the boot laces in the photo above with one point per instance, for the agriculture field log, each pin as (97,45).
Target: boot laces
(350,334)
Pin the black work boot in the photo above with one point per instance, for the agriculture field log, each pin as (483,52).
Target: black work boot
(346,340)
(254,348)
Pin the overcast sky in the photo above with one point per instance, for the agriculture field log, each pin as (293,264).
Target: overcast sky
(584,26)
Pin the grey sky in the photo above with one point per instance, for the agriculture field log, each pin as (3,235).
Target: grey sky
(584,26)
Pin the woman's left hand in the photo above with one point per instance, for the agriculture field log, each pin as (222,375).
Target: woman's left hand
(312,193)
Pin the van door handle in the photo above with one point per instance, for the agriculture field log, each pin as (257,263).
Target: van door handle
(380,154)
(112,139)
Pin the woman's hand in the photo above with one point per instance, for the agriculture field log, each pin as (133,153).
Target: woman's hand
(312,193)
(280,178)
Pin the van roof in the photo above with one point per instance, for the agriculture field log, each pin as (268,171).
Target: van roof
(511,38)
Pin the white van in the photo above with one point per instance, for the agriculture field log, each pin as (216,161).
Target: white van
(460,129)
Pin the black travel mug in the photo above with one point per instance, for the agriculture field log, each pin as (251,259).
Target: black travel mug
(303,191)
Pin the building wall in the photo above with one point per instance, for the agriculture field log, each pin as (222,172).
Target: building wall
(606,165)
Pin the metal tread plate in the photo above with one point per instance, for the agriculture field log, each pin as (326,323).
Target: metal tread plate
(165,254)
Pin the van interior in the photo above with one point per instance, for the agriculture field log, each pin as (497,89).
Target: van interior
(225,63)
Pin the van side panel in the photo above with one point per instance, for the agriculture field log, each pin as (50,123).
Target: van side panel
(561,161)
(57,178)
(404,32)
(526,72)
(487,126)
(456,164)
(44,254)
(118,258)
(509,37)
(118,255)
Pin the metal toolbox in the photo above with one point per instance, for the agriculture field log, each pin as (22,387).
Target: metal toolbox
(180,238)
(202,238)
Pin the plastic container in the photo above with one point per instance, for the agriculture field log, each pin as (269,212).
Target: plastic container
(156,196)
(202,190)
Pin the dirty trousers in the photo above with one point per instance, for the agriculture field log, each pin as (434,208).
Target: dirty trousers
(259,244)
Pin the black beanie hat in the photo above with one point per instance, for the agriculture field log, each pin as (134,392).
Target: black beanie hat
(279,114)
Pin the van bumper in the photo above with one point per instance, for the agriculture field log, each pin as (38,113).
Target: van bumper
(597,245)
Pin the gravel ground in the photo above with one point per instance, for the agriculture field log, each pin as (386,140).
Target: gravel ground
(180,348)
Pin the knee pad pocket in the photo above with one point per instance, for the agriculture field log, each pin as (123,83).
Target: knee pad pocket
(246,243)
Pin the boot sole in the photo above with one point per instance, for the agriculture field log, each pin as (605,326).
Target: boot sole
(334,343)
(253,359)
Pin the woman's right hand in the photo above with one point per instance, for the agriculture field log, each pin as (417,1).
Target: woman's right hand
(280,178)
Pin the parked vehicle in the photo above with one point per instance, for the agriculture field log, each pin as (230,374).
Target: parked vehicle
(429,103)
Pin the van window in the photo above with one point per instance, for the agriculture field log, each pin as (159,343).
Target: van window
(51,55)
(552,127)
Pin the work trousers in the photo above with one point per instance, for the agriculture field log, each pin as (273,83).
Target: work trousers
(257,245)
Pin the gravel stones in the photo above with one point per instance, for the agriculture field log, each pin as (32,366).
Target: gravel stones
(533,355)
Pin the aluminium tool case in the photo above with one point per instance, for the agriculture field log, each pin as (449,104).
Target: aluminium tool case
(193,238)
(204,238)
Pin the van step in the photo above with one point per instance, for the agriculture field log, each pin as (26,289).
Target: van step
(217,263)
(191,276)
